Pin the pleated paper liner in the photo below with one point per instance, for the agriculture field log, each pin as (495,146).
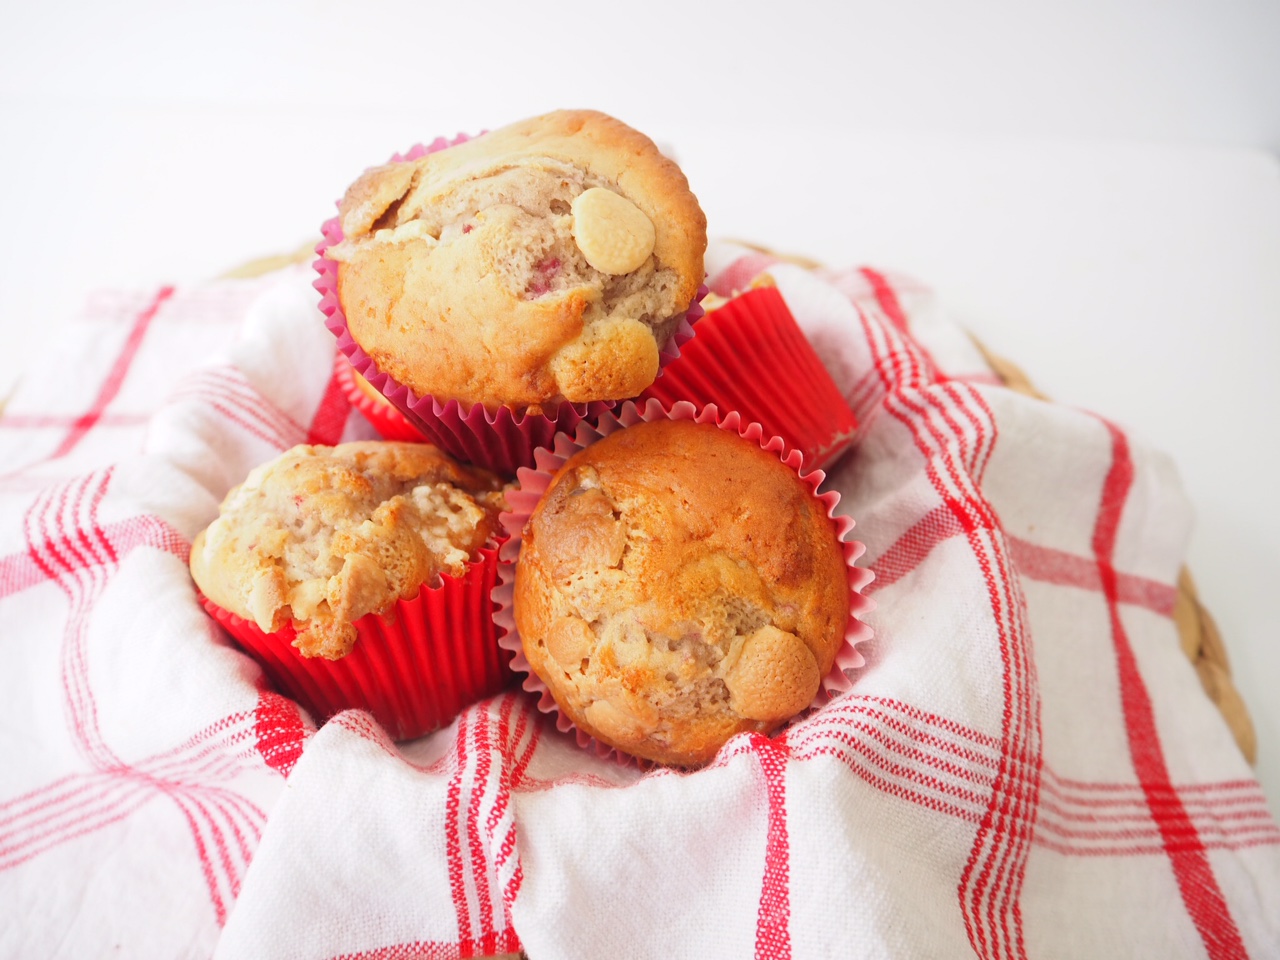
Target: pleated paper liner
(373,406)
(414,668)
(534,482)
(752,357)
(502,440)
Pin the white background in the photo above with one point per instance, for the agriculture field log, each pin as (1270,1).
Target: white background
(1092,186)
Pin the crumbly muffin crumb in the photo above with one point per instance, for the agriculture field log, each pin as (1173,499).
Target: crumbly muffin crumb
(323,536)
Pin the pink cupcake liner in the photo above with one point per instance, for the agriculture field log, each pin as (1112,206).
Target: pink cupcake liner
(533,483)
(502,440)
(386,419)
(752,357)
(414,668)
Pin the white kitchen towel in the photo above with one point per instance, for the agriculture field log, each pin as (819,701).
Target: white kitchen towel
(1025,767)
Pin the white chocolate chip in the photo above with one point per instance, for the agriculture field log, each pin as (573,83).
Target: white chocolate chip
(306,596)
(570,641)
(773,678)
(612,232)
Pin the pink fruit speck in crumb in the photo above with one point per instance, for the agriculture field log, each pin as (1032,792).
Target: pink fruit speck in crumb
(545,272)
(467,228)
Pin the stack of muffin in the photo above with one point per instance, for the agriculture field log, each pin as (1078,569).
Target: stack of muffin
(670,579)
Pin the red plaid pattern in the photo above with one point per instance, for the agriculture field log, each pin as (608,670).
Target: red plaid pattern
(196,794)
(1025,766)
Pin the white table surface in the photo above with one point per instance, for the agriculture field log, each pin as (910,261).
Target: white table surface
(1138,280)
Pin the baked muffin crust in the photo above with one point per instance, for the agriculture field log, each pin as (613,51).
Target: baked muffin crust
(547,261)
(322,536)
(677,585)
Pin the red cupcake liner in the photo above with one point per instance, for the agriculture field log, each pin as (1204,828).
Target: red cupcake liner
(386,419)
(533,483)
(414,668)
(751,356)
(502,440)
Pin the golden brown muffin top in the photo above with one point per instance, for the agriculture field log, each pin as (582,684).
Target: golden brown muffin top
(677,585)
(322,536)
(546,261)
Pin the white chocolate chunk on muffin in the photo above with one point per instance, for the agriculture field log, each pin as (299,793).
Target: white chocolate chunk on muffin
(677,585)
(322,536)
(612,232)
(547,261)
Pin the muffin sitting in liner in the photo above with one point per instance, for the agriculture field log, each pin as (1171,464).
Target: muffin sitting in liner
(549,260)
(375,556)
(677,585)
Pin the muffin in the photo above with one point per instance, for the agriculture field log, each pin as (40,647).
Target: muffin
(676,585)
(544,262)
(358,576)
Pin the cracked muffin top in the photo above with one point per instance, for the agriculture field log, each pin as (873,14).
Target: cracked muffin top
(550,260)
(322,536)
(677,585)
